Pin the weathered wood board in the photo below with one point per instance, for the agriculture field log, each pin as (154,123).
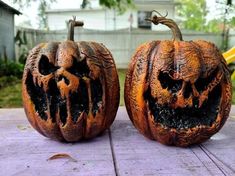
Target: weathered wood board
(137,155)
(23,151)
(122,151)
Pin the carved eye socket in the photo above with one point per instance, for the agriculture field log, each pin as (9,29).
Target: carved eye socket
(79,69)
(167,82)
(202,83)
(45,67)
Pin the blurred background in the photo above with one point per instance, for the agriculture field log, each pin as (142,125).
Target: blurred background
(118,24)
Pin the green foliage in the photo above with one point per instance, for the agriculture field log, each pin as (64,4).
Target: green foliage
(23,56)
(231,68)
(193,14)
(43,6)
(85,3)
(213,26)
(11,69)
(21,41)
(7,80)
(233,99)
(120,5)
(222,7)
(232,22)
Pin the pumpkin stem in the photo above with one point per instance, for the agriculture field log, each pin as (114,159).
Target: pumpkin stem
(168,22)
(73,23)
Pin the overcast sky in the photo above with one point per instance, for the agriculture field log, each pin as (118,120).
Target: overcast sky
(30,13)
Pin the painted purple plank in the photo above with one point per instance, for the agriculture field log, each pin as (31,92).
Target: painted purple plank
(221,148)
(232,112)
(24,152)
(137,155)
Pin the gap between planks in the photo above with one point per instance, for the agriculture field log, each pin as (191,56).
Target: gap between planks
(113,153)
(203,162)
(215,160)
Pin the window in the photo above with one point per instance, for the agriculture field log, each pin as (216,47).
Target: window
(142,23)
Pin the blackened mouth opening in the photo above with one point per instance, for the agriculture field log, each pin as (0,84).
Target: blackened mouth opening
(188,117)
(79,100)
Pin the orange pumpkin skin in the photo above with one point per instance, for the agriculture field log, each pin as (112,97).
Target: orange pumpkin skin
(178,92)
(70,90)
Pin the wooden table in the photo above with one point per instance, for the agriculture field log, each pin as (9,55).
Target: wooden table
(120,151)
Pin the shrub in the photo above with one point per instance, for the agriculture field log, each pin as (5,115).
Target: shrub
(8,80)
(11,69)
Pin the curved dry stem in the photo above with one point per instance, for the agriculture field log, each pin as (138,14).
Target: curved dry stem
(160,13)
(168,22)
(73,23)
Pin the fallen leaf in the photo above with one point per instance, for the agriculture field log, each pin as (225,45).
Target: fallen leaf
(21,127)
(62,156)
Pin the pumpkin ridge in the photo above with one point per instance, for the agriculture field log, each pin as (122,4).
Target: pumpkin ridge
(107,64)
(31,59)
(154,47)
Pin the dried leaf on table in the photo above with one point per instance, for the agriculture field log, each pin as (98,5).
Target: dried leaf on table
(62,156)
(21,127)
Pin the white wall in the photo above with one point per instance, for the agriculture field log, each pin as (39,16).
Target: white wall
(104,19)
(121,21)
(92,19)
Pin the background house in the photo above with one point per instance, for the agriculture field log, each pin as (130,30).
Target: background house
(99,18)
(7,46)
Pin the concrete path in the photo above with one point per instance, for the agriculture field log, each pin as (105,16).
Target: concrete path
(120,151)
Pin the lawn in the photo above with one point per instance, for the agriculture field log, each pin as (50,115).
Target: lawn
(10,96)
(121,74)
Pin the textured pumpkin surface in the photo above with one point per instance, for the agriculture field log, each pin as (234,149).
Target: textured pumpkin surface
(178,92)
(70,90)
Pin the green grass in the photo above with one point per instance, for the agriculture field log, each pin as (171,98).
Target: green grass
(233,100)
(122,75)
(10,95)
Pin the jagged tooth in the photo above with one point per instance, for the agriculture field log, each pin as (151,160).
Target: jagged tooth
(100,105)
(88,85)
(195,92)
(100,109)
(48,107)
(45,87)
(35,80)
(39,82)
(68,106)
(80,116)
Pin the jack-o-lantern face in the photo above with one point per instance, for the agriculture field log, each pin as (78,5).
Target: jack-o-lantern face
(70,90)
(178,92)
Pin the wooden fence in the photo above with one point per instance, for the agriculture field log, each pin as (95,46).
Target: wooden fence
(121,43)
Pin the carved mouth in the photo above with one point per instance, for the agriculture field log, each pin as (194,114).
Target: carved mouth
(48,104)
(188,117)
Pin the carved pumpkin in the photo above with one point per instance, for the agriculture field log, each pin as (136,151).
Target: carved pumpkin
(178,92)
(70,89)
